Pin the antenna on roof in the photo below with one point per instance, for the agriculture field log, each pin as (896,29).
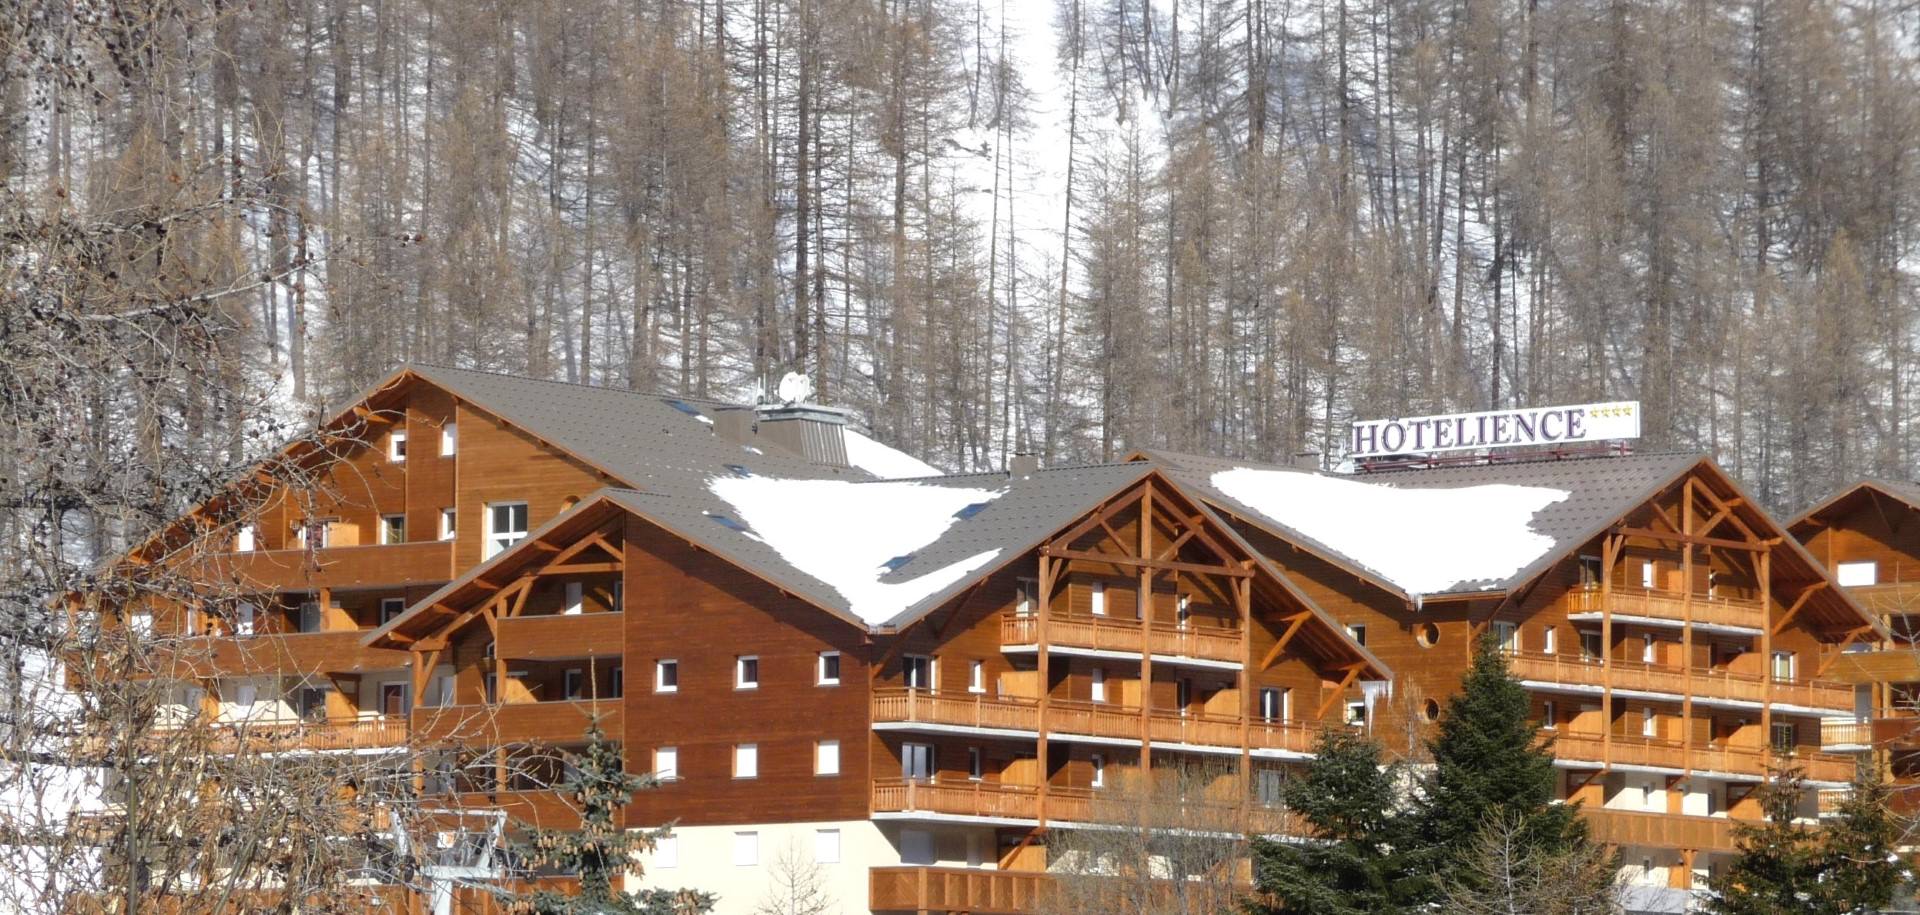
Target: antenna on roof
(795,387)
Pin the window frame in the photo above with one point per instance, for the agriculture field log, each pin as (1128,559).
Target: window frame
(976,676)
(491,546)
(1358,633)
(1098,765)
(449,523)
(573,598)
(449,438)
(397,447)
(387,529)
(826,757)
(391,608)
(670,772)
(911,662)
(820,676)
(573,684)
(746,761)
(746,848)
(1843,578)
(1097,598)
(661,667)
(746,671)
(821,844)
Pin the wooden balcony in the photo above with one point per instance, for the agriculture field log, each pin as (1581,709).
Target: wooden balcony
(957,889)
(1705,682)
(1660,830)
(1124,636)
(975,710)
(543,808)
(391,565)
(1633,750)
(1846,732)
(266,736)
(556,637)
(547,723)
(999,800)
(1892,598)
(290,654)
(1671,606)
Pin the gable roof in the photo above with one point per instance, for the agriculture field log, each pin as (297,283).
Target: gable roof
(983,522)
(1902,491)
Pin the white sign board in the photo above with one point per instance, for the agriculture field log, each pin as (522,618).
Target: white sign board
(1594,422)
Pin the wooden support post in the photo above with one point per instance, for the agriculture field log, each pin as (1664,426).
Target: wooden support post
(1045,610)
(1766,655)
(1144,602)
(1686,632)
(1609,553)
(1243,598)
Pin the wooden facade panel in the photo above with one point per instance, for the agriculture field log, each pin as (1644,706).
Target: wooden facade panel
(500,463)
(555,636)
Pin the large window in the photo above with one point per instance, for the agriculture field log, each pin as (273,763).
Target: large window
(1783,666)
(506,526)
(918,669)
(393,529)
(1273,704)
(916,761)
(1508,635)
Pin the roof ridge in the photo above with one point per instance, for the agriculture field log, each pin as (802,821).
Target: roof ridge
(577,384)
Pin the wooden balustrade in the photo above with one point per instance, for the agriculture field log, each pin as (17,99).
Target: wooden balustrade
(1204,730)
(1670,605)
(1095,719)
(1123,635)
(1072,805)
(1634,750)
(1709,683)
(270,735)
(978,710)
(557,722)
(958,889)
(1835,732)
(1660,830)
(970,798)
(385,565)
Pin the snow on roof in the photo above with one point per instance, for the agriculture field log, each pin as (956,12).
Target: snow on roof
(884,462)
(1426,541)
(851,535)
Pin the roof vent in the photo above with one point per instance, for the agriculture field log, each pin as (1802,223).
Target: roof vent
(812,431)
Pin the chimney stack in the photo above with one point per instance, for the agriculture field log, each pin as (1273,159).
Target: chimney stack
(1307,460)
(814,432)
(1023,464)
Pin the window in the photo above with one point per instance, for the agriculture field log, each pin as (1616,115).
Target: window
(617,681)
(391,608)
(666,676)
(826,757)
(1857,574)
(976,765)
(1182,611)
(619,595)
(448,438)
(244,538)
(746,760)
(393,529)
(314,534)
(916,761)
(1023,597)
(310,617)
(1269,786)
(918,670)
(1783,666)
(829,669)
(244,696)
(666,851)
(1097,598)
(976,676)
(1099,771)
(666,763)
(397,447)
(506,526)
(140,623)
(826,846)
(1649,723)
(746,672)
(1508,635)
(1784,737)
(1549,716)
(1357,713)
(243,618)
(574,683)
(746,849)
(443,690)
(1590,648)
(572,596)
(1098,685)
(1646,574)
(1272,704)
(1358,633)
(1550,640)
(1649,650)
(1183,694)
(446,523)
(1590,571)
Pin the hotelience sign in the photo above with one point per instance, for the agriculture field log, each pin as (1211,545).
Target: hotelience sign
(1594,422)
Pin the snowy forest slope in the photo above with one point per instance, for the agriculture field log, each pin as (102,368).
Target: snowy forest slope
(1072,227)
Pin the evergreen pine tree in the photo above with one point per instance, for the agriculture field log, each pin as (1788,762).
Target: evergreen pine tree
(1778,863)
(1860,868)
(1491,765)
(600,851)
(1357,864)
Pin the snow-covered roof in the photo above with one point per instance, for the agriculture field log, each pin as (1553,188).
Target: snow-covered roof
(1426,541)
(884,462)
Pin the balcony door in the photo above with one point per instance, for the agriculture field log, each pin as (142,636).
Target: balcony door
(918,671)
(394,699)
(916,762)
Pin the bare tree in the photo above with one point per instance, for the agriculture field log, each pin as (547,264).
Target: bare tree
(1510,876)
(797,885)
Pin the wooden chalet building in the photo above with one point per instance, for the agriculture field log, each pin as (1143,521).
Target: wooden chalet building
(1868,535)
(912,682)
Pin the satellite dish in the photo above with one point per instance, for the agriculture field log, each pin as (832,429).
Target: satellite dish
(795,387)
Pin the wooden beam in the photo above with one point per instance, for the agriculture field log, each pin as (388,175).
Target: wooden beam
(1697,540)
(1353,673)
(580,568)
(1841,649)
(1113,508)
(1798,602)
(1156,565)
(1273,654)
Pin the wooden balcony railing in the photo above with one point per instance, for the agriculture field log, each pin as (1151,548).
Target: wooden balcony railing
(958,889)
(1634,750)
(977,710)
(1889,598)
(293,654)
(562,636)
(1124,635)
(1071,805)
(1094,719)
(389,565)
(1658,678)
(550,723)
(1660,830)
(1837,732)
(269,735)
(1670,605)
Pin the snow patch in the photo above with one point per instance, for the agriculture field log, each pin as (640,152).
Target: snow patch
(885,462)
(845,533)
(1426,541)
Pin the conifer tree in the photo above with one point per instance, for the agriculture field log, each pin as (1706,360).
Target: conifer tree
(600,851)
(1358,864)
(1491,765)
(1843,866)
